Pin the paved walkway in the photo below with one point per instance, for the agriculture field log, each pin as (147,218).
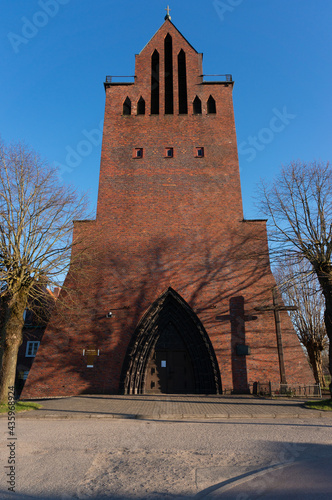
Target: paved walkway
(173,407)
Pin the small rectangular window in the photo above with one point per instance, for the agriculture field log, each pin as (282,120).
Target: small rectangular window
(199,152)
(169,152)
(138,153)
(31,350)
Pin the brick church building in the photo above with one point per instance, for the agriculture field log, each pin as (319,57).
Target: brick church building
(169,296)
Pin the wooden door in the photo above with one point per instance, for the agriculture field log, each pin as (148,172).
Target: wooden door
(170,370)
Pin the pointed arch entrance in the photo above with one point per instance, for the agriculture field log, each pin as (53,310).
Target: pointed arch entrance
(170,352)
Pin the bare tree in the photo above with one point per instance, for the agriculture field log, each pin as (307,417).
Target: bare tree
(36,222)
(299,203)
(300,288)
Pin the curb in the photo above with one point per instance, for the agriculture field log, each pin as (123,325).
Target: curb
(228,487)
(173,416)
(224,486)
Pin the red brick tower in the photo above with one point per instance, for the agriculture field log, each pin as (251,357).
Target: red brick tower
(165,301)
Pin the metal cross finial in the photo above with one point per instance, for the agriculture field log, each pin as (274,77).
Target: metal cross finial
(168,14)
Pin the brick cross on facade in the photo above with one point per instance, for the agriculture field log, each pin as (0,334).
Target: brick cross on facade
(238,319)
(231,317)
(237,313)
(276,308)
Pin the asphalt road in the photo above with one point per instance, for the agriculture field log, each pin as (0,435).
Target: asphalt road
(140,459)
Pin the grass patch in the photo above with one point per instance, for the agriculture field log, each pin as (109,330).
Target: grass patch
(21,406)
(324,404)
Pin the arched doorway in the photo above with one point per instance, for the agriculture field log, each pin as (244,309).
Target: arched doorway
(170,352)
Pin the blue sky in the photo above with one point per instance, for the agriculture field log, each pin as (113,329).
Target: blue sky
(55,55)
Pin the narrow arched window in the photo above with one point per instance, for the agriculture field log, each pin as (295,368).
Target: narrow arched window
(155,83)
(127,107)
(197,106)
(211,105)
(168,75)
(182,72)
(141,106)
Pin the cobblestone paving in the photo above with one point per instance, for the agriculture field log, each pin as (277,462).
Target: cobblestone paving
(173,407)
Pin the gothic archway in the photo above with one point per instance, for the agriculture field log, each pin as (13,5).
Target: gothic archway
(171,328)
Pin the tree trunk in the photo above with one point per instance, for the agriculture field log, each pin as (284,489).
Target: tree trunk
(324,275)
(328,326)
(3,319)
(315,358)
(330,365)
(12,337)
